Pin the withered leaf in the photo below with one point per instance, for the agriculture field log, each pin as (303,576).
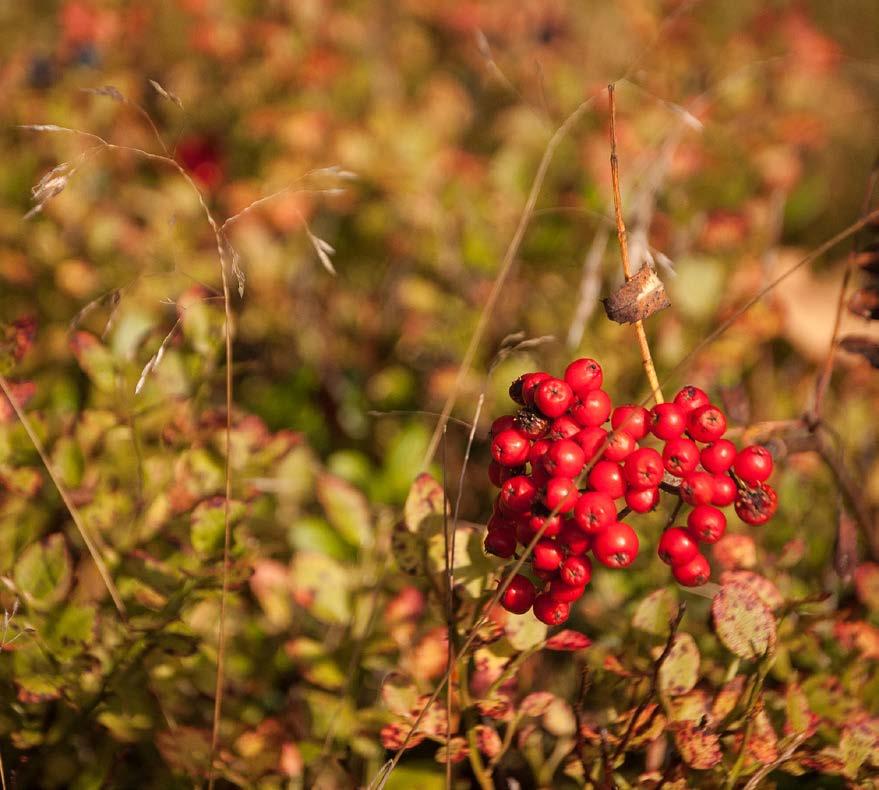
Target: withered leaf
(744,623)
(859,344)
(699,748)
(680,670)
(638,298)
(864,302)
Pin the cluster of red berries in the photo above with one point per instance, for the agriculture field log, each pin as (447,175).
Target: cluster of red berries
(561,475)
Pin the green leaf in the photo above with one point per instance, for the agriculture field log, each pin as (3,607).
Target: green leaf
(680,670)
(655,612)
(525,631)
(96,360)
(743,622)
(346,508)
(68,634)
(321,586)
(43,572)
(858,743)
(208,523)
(425,499)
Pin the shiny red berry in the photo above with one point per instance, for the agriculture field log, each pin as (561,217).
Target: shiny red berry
(525,532)
(591,440)
(620,445)
(691,398)
(510,448)
(594,511)
(538,450)
(757,505)
(706,424)
(753,464)
(519,595)
(633,419)
(694,573)
(697,488)
(539,474)
(607,476)
(502,423)
(501,542)
(547,555)
(563,427)
(592,408)
(553,397)
(576,571)
(550,524)
(718,456)
(707,523)
(668,420)
(573,540)
(677,546)
(725,491)
(616,546)
(530,383)
(500,521)
(550,611)
(560,494)
(642,500)
(517,494)
(644,468)
(680,456)
(567,593)
(564,459)
(583,375)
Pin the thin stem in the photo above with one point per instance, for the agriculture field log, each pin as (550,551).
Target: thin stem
(450,617)
(65,497)
(506,266)
(646,358)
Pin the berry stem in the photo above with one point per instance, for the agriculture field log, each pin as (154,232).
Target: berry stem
(646,358)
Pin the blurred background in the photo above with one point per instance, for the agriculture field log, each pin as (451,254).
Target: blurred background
(405,137)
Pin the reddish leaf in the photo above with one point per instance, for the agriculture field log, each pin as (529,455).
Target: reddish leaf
(736,551)
(393,736)
(487,740)
(867,585)
(762,741)
(22,392)
(863,346)
(859,635)
(568,640)
(698,748)
(458,751)
(536,703)
(765,589)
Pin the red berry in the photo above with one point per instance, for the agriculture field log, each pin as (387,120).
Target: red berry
(594,511)
(697,488)
(564,459)
(501,542)
(693,573)
(561,591)
(632,419)
(668,421)
(517,494)
(620,445)
(539,474)
(500,521)
(576,571)
(583,375)
(563,428)
(680,456)
(707,523)
(642,500)
(525,533)
(560,494)
(643,468)
(546,555)
(607,476)
(677,546)
(551,525)
(706,424)
(553,397)
(538,450)
(502,423)
(498,474)
(757,505)
(573,539)
(718,456)
(691,398)
(753,464)
(510,448)
(590,439)
(725,491)
(550,611)
(530,382)
(592,408)
(519,595)
(616,546)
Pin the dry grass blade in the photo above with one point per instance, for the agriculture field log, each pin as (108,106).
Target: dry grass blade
(156,358)
(65,497)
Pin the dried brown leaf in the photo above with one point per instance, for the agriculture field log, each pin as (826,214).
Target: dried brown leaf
(638,298)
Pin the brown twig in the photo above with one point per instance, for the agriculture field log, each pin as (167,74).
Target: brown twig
(646,358)
(654,680)
(65,498)
(579,710)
